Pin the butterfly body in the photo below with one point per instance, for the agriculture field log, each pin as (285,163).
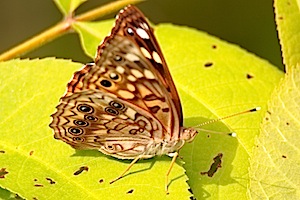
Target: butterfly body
(125,104)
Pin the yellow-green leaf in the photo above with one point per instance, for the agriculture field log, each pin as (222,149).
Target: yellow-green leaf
(68,6)
(288,26)
(41,167)
(214,79)
(275,163)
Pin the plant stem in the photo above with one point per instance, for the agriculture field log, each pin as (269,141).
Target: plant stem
(62,28)
(104,10)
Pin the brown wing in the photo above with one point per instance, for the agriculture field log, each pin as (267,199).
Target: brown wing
(130,65)
(132,24)
(97,120)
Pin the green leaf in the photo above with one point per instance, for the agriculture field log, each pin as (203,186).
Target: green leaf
(235,81)
(41,167)
(68,6)
(275,162)
(92,33)
(288,26)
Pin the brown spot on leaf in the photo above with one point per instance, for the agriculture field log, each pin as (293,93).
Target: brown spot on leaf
(38,185)
(130,191)
(101,180)
(50,181)
(80,170)
(3,172)
(208,64)
(269,112)
(249,76)
(287,123)
(214,166)
(31,152)
(2,151)
(284,156)
(214,46)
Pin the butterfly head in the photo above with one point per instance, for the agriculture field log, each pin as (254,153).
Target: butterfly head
(188,134)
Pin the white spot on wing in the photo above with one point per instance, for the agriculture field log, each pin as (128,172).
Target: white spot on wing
(145,52)
(130,87)
(137,73)
(125,94)
(149,74)
(131,57)
(131,78)
(120,69)
(142,33)
(156,57)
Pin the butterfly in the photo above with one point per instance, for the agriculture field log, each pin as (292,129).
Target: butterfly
(125,104)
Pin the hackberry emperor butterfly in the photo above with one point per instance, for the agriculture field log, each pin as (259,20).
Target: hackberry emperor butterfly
(125,104)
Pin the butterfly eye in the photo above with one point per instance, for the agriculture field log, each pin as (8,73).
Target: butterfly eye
(80,123)
(90,118)
(75,131)
(105,83)
(114,76)
(85,108)
(111,111)
(117,105)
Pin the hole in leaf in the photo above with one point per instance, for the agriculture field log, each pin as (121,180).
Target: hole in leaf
(3,172)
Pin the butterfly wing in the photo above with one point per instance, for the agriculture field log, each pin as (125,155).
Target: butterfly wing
(129,64)
(96,120)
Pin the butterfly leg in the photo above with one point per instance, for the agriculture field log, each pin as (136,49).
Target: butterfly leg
(175,155)
(126,170)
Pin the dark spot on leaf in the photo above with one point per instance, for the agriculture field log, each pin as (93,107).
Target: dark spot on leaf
(2,151)
(287,123)
(80,170)
(3,172)
(267,118)
(214,46)
(101,180)
(214,166)
(208,136)
(130,191)
(35,179)
(50,181)
(283,156)
(34,198)
(38,185)
(249,76)
(208,64)
(280,18)
(30,153)
(269,112)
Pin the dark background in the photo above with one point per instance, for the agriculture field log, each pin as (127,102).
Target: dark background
(250,24)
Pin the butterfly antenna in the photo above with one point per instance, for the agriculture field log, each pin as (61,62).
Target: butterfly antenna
(228,116)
